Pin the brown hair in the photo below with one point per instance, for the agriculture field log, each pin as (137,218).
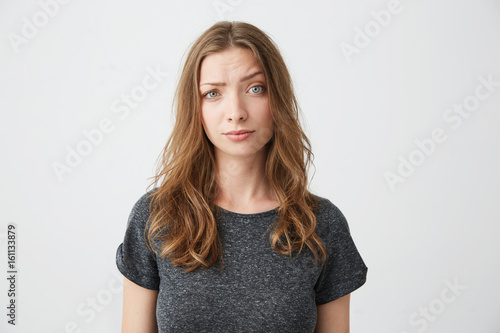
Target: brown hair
(183,210)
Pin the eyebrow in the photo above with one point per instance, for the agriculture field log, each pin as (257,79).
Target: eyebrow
(222,84)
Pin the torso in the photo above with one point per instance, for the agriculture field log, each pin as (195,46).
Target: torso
(252,208)
(258,290)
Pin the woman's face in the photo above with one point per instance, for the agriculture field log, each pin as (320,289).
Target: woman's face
(233,98)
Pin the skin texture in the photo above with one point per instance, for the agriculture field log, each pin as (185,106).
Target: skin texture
(139,308)
(333,317)
(232,101)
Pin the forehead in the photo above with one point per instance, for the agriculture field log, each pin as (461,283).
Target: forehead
(228,64)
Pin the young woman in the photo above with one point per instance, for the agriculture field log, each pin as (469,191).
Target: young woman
(231,240)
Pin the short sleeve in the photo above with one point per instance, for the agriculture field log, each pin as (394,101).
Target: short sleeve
(134,259)
(344,270)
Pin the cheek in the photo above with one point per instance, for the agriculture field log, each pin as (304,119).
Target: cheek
(207,121)
(267,123)
(266,115)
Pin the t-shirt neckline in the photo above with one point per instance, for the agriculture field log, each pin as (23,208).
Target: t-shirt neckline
(252,215)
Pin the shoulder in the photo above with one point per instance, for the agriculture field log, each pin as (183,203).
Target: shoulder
(141,209)
(329,218)
(142,204)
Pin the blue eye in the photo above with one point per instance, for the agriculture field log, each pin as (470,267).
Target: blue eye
(259,89)
(210,94)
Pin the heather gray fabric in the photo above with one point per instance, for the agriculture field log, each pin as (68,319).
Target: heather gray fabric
(259,290)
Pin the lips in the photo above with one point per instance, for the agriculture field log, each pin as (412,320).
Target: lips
(238,136)
(238,132)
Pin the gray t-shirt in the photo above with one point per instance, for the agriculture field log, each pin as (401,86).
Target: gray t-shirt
(259,290)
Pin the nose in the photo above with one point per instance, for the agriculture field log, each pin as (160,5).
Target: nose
(236,108)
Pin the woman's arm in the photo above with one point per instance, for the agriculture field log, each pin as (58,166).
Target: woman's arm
(333,317)
(139,308)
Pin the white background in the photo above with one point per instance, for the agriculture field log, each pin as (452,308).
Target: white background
(363,113)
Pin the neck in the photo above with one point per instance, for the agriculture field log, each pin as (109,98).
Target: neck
(242,180)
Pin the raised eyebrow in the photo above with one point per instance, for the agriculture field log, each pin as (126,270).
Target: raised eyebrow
(222,84)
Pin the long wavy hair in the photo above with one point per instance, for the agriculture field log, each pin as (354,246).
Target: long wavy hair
(183,211)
